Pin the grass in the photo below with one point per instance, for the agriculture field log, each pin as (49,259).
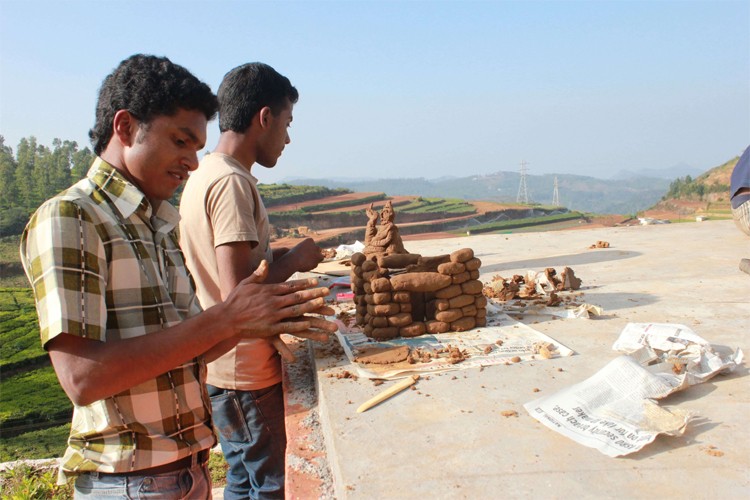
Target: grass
(438,205)
(516,224)
(32,399)
(26,481)
(19,331)
(11,272)
(45,443)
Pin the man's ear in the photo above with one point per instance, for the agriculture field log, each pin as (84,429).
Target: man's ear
(125,126)
(264,116)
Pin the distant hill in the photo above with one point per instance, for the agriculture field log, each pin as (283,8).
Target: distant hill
(707,194)
(576,192)
(673,172)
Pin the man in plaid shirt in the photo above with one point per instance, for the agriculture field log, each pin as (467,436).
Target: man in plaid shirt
(740,199)
(117,310)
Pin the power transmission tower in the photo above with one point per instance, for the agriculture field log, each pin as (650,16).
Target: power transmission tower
(523,192)
(555,195)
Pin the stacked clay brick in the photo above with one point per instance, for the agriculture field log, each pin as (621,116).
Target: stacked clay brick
(435,295)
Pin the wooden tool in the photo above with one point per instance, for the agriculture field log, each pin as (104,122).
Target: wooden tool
(394,389)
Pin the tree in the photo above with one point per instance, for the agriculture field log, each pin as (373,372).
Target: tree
(25,157)
(8,193)
(80,163)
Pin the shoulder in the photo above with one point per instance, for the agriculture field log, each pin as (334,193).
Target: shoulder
(75,202)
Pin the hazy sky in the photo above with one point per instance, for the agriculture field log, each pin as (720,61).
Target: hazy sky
(416,88)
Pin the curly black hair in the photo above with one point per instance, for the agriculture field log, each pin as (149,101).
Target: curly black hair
(148,86)
(247,89)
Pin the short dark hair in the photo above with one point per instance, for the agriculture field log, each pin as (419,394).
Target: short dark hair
(247,89)
(147,87)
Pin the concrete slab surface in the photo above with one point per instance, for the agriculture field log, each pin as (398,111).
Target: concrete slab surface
(448,439)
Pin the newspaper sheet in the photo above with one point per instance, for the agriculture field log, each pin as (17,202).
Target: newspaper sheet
(499,342)
(613,411)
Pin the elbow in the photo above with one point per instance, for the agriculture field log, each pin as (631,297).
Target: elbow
(78,391)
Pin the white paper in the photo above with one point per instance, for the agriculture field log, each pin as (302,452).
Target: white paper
(614,410)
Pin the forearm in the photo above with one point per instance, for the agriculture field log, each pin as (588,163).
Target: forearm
(123,364)
(282,269)
(278,252)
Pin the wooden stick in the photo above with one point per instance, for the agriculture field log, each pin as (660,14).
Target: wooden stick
(394,389)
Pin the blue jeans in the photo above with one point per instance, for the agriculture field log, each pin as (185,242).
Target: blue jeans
(192,483)
(252,434)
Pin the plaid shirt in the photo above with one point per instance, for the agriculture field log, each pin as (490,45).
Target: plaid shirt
(105,268)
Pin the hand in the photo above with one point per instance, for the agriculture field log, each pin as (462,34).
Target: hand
(324,326)
(372,215)
(306,255)
(257,310)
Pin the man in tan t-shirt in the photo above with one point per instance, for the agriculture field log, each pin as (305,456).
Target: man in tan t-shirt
(225,235)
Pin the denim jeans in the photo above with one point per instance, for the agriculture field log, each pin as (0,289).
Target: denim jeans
(252,434)
(192,483)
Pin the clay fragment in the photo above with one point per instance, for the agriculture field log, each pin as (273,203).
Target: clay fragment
(570,281)
(420,282)
(554,299)
(463,255)
(464,324)
(370,275)
(398,261)
(449,292)
(472,287)
(379,285)
(382,355)
(435,326)
(442,304)
(470,310)
(381,298)
(369,265)
(473,264)
(461,278)
(449,316)
(383,309)
(401,297)
(379,321)
(400,319)
(384,333)
(414,330)
(461,301)
(451,268)
(358,258)
(428,264)
(455,355)
(419,355)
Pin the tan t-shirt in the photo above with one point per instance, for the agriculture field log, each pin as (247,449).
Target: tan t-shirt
(221,204)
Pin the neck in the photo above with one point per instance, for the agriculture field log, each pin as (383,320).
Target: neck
(238,147)
(115,162)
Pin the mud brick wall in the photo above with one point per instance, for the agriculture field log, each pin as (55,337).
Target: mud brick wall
(392,303)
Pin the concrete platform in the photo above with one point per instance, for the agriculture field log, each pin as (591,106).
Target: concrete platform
(448,439)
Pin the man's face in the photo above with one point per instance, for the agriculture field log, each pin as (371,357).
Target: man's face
(164,152)
(275,136)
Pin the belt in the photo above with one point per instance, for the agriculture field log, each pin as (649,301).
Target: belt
(184,463)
